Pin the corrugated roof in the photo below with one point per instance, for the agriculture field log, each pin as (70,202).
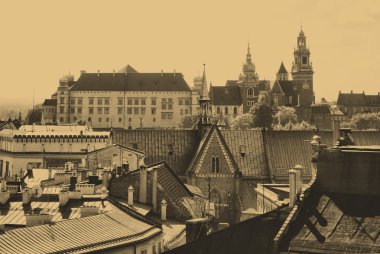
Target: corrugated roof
(131,82)
(88,234)
(225,95)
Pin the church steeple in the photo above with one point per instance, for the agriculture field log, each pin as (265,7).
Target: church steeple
(282,73)
(204,100)
(249,75)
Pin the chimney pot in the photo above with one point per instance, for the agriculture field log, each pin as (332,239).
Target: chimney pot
(143,184)
(26,196)
(163,209)
(130,195)
(298,169)
(292,188)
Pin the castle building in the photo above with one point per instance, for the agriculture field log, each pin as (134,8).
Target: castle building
(355,103)
(126,99)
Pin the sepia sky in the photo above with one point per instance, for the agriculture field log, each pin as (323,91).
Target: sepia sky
(43,40)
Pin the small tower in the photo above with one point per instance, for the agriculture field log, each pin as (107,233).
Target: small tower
(204,101)
(282,73)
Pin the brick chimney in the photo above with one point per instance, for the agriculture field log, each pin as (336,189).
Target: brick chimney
(163,210)
(26,197)
(298,169)
(143,184)
(86,211)
(292,187)
(130,195)
(154,190)
(63,197)
(105,179)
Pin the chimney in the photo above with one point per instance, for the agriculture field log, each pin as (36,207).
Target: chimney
(163,210)
(174,73)
(50,173)
(98,73)
(162,73)
(292,187)
(26,197)
(113,73)
(143,184)
(86,211)
(154,189)
(105,179)
(351,92)
(335,127)
(130,196)
(63,197)
(3,184)
(298,169)
(37,219)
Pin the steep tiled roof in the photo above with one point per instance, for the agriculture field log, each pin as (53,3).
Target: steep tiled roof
(131,82)
(231,82)
(50,102)
(155,145)
(128,69)
(320,109)
(248,195)
(118,146)
(225,95)
(357,99)
(88,234)
(373,100)
(286,86)
(250,236)
(173,190)
(282,69)
(253,162)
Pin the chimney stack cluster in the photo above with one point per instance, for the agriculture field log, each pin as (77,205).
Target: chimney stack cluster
(295,184)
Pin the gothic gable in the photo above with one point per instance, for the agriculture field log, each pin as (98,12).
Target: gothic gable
(213,157)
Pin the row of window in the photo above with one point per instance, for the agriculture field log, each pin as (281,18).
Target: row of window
(120,100)
(219,111)
(60,140)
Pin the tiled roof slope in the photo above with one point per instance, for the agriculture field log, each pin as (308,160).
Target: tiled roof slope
(131,82)
(248,195)
(253,163)
(358,99)
(336,223)
(173,190)
(250,236)
(154,143)
(225,95)
(50,102)
(88,234)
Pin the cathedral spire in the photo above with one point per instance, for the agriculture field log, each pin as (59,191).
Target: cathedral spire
(249,56)
(204,100)
(204,90)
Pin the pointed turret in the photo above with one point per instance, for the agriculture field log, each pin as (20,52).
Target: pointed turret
(282,73)
(249,75)
(204,100)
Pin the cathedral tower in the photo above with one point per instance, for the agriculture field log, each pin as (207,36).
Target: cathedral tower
(249,75)
(302,71)
(282,73)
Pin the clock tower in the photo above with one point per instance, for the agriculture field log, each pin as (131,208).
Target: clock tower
(302,72)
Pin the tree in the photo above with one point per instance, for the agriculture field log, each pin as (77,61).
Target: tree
(294,126)
(366,121)
(34,115)
(190,120)
(243,122)
(284,115)
(262,115)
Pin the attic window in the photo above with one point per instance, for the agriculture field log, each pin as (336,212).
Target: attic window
(170,149)
(242,150)
(134,145)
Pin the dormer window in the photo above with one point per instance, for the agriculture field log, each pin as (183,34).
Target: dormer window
(242,150)
(170,149)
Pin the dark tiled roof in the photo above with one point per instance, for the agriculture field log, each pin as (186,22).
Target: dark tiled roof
(131,82)
(225,95)
(373,100)
(117,146)
(282,69)
(286,86)
(173,190)
(253,162)
(50,102)
(128,69)
(320,109)
(94,233)
(335,223)
(357,99)
(248,195)
(231,82)
(250,236)
(154,143)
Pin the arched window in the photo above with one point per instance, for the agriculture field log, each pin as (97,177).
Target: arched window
(218,110)
(226,110)
(250,92)
(235,111)
(215,164)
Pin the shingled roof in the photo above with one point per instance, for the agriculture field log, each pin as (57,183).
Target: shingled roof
(282,69)
(355,99)
(50,102)
(225,95)
(131,82)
